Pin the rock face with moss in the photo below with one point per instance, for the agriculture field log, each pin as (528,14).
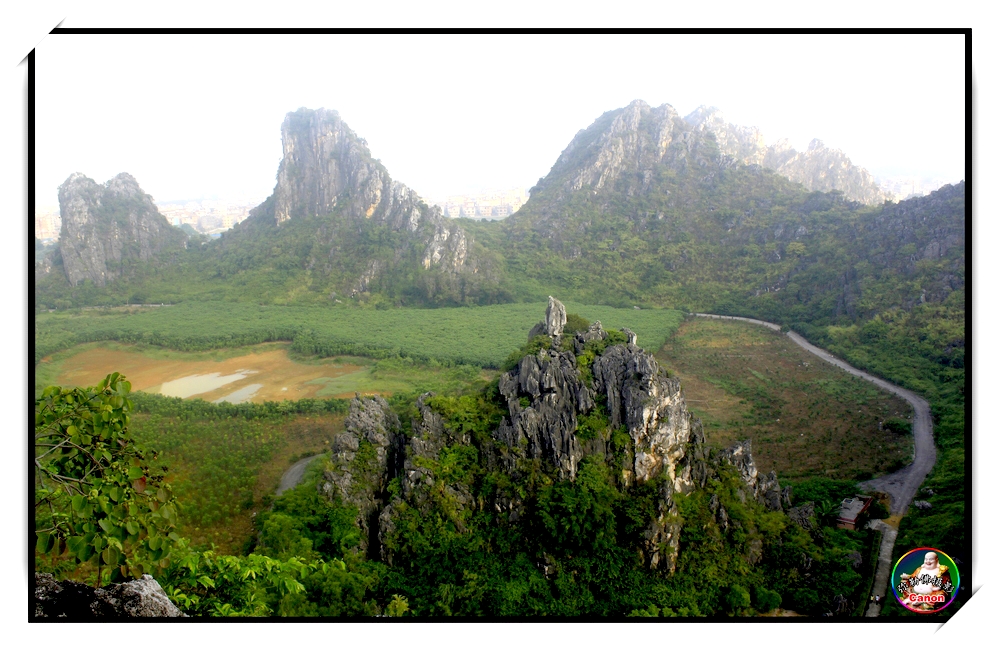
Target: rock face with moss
(365,456)
(327,169)
(583,394)
(105,227)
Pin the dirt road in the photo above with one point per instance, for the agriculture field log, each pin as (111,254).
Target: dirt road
(293,475)
(903,484)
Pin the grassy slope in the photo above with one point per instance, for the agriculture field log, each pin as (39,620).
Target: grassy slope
(805,417)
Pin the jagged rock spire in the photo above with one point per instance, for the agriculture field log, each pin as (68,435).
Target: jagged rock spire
(555,318)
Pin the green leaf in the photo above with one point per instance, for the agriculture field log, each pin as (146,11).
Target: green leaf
(79,502)
(135,472)
(85,552)
(206,581)
(132,527)
(110,556)
(105,524)
(44,542)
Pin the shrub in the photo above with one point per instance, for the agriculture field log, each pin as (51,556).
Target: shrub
(897,425)
(575,323)
(766,600)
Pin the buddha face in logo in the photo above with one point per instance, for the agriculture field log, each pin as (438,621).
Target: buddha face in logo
(927,593)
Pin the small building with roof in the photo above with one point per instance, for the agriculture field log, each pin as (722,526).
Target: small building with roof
(851,511)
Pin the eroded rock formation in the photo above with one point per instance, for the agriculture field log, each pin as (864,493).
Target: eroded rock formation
(365,456)
(818,168)
(622,150)
(105,227)
(545,398)
(327,170)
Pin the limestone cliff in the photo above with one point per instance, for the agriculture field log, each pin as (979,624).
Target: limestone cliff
(106,227)
(364,457)
(625,150)
(327,171)
(818,168)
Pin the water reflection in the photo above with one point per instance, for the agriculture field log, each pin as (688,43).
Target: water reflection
(195,384)
(240,395)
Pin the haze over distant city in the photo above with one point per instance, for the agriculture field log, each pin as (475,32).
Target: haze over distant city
(198,117)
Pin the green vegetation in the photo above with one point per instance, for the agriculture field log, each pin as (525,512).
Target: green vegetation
(480,336)
(572,549)
(805,417)
(99,498)
(225,460)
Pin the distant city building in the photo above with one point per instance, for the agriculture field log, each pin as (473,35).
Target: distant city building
(487,204)
(47,225)
(901,188)
(210,216)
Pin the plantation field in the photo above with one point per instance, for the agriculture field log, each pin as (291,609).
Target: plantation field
(478,336)
(805,417)
(252,373)
(224,469)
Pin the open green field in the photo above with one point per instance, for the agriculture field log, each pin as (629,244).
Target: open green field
(805,417)
(478,336)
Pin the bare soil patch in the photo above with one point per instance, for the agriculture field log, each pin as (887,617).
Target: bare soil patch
(280,377)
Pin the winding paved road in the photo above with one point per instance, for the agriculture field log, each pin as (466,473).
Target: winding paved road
(902,485)
(294,474)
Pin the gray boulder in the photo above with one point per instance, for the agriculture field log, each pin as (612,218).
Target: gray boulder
(140,598)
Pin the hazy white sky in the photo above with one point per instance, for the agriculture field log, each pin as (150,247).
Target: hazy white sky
(199,116)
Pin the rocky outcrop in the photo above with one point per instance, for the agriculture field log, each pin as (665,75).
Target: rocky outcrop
(326,165)
(545,395)
(633,139)
(327,170)
(650,405)
(555,318)
(763,488)
(365,456)
(819,168)
(140,598)
(418,478)
(623,150)
(106,227)
(547,399)
(666,439)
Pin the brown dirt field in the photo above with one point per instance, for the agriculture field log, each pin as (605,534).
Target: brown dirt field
(282,378)
(804,416)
